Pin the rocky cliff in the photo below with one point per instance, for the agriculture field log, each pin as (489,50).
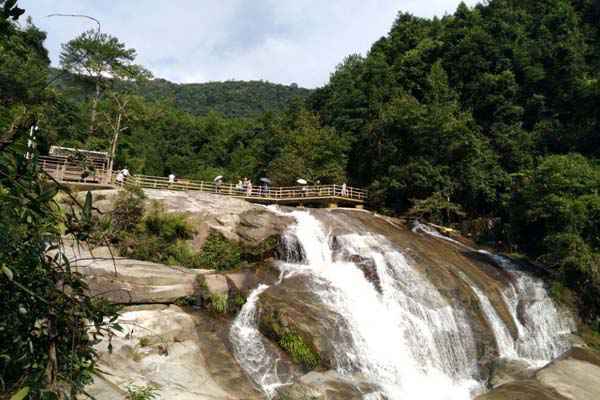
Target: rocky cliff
(178,321)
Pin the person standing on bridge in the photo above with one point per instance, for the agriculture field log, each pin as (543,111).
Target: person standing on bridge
(171,178)
(120,178)
(344,189)
(125,173)
(249,188)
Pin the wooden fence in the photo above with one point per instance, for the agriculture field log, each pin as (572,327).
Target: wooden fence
(63,170)
(66,171)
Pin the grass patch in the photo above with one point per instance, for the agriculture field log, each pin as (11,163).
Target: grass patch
(300,352)
(148,392)
(218,303)
(186,301)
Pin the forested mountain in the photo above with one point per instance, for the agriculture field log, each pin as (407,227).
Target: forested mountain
(492,115)
(487,120)
(230,98)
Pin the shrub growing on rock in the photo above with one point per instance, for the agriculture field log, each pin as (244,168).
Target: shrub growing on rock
(300,352)
(219,253)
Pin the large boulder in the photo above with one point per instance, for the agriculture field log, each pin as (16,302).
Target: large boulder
(127,281)
(291,309)
(178,353)
(327,385)
(237,220)
(573,376)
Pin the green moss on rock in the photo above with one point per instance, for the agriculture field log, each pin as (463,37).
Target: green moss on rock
(300,352)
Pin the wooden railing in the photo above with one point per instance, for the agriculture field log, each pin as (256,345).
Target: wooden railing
(65,171)
(300,193)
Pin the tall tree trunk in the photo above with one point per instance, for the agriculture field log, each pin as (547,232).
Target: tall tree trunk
(95,109)
(113,149)
(52,365)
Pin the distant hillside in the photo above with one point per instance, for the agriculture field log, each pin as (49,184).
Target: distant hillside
(231,98)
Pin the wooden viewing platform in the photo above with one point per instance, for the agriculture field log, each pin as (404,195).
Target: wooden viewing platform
(71,173)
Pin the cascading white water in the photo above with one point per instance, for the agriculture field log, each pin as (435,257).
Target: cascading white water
(404,337)
(504,340)
(543,331)
(407,339)
(249,349)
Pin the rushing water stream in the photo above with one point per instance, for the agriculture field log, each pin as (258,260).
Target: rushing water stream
(405,338)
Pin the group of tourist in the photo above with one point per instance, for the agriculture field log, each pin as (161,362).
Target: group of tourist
(244,186)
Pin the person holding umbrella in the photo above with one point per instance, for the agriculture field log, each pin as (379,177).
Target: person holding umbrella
(303,182)
(265,186)
(218,182)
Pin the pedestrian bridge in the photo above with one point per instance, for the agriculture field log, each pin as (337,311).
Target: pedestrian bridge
(74,175)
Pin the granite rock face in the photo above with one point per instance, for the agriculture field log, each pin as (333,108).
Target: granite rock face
(183,355)
(573,376)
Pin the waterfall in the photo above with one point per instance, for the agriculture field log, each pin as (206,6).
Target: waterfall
(403,337)
(249,349)
(543,331)
(504,340)
(407,340)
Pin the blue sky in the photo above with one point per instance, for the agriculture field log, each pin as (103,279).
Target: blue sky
(281,41)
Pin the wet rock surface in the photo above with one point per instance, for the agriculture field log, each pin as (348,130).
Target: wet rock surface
(292,307)
(181,354)
(573,376)
(327,385)
(188,354)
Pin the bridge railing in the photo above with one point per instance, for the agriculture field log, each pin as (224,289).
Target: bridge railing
(61,169)
(305,192)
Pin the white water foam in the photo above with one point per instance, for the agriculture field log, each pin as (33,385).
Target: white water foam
(407,339)
(504,340)
(249,349)
(543,330)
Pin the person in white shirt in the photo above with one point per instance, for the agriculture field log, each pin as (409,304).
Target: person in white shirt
(120,178)
(172,178)
(344,189)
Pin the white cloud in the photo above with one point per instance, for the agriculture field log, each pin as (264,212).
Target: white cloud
(196,41)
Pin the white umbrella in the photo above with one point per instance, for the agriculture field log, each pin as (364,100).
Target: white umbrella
(265,180)
(302,181)
(218,178)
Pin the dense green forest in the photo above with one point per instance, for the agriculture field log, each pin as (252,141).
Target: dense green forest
(487,119)
(230,98)
(491,114)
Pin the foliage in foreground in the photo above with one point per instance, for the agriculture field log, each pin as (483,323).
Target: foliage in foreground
(49,324)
